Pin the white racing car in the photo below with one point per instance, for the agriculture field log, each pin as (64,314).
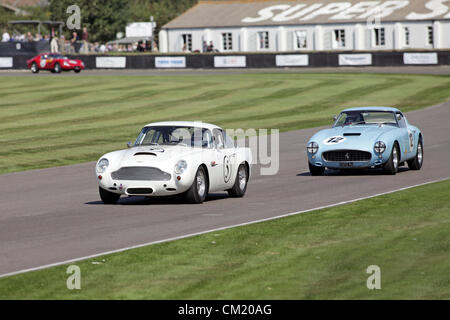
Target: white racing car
(172,158)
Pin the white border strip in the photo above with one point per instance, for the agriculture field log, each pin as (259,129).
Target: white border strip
(217,229)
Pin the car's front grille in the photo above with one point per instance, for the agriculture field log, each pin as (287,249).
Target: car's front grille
(140,174)
(347,155)
(137,191)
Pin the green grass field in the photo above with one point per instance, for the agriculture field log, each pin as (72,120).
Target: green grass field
(317,255)
(52,121)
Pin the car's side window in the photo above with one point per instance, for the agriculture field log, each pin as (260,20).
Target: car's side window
(229,143)
(207,139)
(401,120)
(218,139)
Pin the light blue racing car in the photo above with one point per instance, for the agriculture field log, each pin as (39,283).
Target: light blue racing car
(366,137)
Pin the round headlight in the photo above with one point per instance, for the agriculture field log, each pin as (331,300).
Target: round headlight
(312,147)
(102,165)
(180,167)
(380,147)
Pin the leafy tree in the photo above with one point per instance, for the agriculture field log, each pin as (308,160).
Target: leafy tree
(5,16)
(34,13)
(102,18)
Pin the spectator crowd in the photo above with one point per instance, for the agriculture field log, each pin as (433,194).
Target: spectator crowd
(78,43)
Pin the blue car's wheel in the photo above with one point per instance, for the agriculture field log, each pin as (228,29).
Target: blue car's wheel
(416,163)
(391,166)
(316,171)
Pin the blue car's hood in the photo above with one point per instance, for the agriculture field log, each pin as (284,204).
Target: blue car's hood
(368,135)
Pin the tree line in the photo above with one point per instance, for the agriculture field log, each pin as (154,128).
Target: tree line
(103,18)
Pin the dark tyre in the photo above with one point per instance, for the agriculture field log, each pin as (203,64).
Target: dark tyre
(77,70)
(57,68)
(199,190)
(34,68)
(316,171)
(416,163)
(240,184)
(391,166)
(108,197)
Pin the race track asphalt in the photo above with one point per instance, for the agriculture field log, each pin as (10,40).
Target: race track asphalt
(53,215)
(421,69)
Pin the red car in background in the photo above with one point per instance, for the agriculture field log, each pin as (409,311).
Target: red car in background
(54,62)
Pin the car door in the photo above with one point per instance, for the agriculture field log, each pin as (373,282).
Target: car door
(412,140)
(223,163)
(43,61)
(46,62)
(231,162)
(405,148)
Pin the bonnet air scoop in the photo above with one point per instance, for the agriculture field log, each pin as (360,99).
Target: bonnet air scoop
(145,154)
(352,134)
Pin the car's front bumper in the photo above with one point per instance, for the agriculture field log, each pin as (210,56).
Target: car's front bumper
(142,187)
(376,160)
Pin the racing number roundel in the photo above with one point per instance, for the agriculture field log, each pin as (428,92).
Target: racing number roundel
(226,169)
(333,140)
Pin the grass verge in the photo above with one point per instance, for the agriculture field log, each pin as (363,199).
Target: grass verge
(322,254)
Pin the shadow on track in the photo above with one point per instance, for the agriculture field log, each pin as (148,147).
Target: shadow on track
(167,200)
(354,172)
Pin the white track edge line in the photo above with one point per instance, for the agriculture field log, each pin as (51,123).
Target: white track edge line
(216,229)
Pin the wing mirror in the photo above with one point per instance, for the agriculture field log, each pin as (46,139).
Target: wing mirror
(129,144)
(334,118)
(399,117)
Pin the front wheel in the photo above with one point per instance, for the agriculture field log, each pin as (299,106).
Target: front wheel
(391,166)
(416,163)
(240,184)
(198,191)
(34,68)
(108,197)
(316,171)
(77,70)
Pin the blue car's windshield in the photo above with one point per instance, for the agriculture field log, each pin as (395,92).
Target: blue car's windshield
(361,117)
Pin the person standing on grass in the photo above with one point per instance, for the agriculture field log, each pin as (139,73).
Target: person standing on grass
(85,38)
(54,42)
(210,47)
(73,41)
(154,46)
(5,37)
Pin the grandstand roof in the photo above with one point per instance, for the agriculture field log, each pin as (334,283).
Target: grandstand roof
(240,13)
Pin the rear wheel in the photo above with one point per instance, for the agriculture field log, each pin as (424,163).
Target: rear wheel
(416,163)
(240,184)
(199,190)
(316,171)
(108,197)
(77,70)
(34,68)
(391,166)
(57,68)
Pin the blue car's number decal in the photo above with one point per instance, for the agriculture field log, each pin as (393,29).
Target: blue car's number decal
(411,140)
(333,140)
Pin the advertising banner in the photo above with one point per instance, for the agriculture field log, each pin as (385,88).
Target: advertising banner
(355,59)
